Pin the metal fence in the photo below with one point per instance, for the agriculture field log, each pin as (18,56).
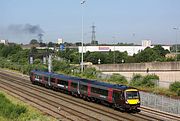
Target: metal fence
(160,102)
(155,101)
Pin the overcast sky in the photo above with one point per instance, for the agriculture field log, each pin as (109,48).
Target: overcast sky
(127,21)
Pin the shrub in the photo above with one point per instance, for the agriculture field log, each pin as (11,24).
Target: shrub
(150,80)
(117,78)
(37,61)
(61,66)
(90,73)
(136,80)
(178,91)
(10,110)
(175,87)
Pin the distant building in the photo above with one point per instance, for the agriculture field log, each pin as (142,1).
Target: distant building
(146,43)
(4,42)
(59,41)
(129,49)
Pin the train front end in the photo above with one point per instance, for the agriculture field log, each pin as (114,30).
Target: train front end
(132,99)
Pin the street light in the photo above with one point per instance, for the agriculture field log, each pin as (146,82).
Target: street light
(114,38)
(176,28)
(82,35)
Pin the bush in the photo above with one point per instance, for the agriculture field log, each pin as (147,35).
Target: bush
(150,80)
(178,91)
(117,78)
(62,66)
(10,110)
(37,61)
(175,87)
(90,73)
(136,80)
(146,81)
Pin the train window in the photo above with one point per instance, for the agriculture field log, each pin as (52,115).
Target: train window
(74,85)
(94,90)
(99,91)
(103,92)
(117,94)
(40,77)
(45,78)
(37,76)
(83,87)
(132,94)
(53,80)
(62,82)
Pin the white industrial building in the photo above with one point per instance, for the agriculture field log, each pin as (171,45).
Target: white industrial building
(4,42)
(130,49)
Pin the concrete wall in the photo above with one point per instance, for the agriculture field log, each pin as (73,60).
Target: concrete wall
(168,72)
(154,66)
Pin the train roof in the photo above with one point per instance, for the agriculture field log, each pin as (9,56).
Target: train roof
(42,72)
(115,86)
(93,82)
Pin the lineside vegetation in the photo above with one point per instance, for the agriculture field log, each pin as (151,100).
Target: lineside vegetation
(15,58)
(12,109)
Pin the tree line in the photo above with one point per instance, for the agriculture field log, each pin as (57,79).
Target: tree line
(157,53)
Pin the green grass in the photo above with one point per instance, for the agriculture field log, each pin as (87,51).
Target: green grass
(12,109)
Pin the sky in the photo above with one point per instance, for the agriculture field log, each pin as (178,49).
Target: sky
(116,21)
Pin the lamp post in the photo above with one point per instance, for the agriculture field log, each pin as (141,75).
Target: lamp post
(176,28)
(82,34)
(114,54)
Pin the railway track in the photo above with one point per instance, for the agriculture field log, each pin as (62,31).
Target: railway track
(87,114)
(107,112)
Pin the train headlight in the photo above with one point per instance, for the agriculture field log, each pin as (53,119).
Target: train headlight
(127,102)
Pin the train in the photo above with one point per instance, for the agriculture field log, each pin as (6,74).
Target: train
(115,95)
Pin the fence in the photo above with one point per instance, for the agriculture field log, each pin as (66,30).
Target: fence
(160,102)
(155,101)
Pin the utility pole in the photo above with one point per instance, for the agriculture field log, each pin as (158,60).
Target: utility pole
(176,28)
(93,37)
(82,35)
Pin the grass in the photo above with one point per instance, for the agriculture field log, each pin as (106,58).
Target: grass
(12,109)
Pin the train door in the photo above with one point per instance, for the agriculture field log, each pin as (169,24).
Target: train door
(78,86)
(118,97)
(49,81)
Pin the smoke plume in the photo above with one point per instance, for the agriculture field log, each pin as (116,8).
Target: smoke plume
(25,29)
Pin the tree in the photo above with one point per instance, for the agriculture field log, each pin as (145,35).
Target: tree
(160,50)
(157,53)
(51,44)
(34,41)
(95,56)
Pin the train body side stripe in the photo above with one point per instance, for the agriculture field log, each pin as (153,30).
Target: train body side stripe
(69,85)
(89,89)
(110,93)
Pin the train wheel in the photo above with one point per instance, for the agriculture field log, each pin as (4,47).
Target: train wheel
(114,106)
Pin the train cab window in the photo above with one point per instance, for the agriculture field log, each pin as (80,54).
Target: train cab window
(117,94)
(74,85)
(132,94)
(83,87)
(53,80)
